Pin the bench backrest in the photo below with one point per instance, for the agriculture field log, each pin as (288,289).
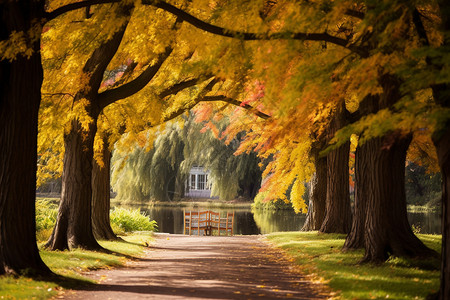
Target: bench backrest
(208,221)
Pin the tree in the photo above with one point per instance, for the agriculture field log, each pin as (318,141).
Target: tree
(371,47)
(21,73)
(73,225)
(21,78)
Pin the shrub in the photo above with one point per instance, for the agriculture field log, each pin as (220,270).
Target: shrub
(278,204)
(128,220)
(46,213)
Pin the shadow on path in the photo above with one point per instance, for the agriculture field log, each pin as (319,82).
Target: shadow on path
(180,267)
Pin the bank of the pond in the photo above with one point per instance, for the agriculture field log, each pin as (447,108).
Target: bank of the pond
(198,203)
(398,278)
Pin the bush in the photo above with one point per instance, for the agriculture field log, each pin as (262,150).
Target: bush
(278,204)
(46,213)
(128,220)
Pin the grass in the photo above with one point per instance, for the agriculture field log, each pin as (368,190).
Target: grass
(71,264)
(398,278)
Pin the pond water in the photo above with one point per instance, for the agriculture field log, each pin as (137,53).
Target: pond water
(246,222)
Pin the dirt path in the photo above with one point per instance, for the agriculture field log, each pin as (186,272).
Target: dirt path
(180,267)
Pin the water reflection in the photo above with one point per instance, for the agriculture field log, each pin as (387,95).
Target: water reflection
(246,222)
(426,222)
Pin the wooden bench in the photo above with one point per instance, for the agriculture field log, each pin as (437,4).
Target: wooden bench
(207,222)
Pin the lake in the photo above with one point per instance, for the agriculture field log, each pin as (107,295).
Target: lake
(246,222)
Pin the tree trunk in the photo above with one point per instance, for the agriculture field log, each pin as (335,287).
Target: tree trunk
(363,184)
(338,215)
(443,151)
(73,227)
(387,230)
(20,84)
(441,140)
(101,197)
(363,165)
(317,196)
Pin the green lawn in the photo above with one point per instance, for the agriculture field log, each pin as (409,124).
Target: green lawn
(398,278)
(69,264)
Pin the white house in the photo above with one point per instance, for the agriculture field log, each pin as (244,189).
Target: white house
(198,183)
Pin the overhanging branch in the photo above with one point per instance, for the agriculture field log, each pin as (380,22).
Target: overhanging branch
(74,6)
(182,85)
(236,103)
(128,89)
(248,36)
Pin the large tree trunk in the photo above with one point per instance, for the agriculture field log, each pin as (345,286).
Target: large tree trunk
(73,227)
(363,184)
(441,140)
(20,84)
(442,144)
(338,214)
(363,165)
(317,196)
(387,230)
(101,197)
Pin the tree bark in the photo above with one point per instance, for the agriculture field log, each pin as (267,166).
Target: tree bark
(387,230)
(101,197)
(73,227)
(20,84)
(363,184)
(442,144)
(317,196)
(363,165)
(441,140)
(338,214)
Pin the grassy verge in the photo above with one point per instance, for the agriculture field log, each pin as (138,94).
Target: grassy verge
(398,278)
(71,264)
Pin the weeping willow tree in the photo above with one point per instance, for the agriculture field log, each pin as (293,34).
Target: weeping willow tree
(232,175)
(160,173)
(146,174)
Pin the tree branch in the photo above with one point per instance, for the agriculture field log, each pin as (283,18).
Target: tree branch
(355,13)
(74,6)
(236,103)
(248,36)
(182,85)
(128,89)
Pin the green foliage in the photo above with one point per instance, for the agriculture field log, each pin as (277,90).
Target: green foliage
(129,220)
(159,173)
(398,278)
(46,213)
(422,187)
(231,174)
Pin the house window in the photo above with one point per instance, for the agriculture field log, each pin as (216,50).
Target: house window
(201,181)
(193,182)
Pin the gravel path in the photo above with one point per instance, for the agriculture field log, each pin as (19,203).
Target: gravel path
(205,267)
